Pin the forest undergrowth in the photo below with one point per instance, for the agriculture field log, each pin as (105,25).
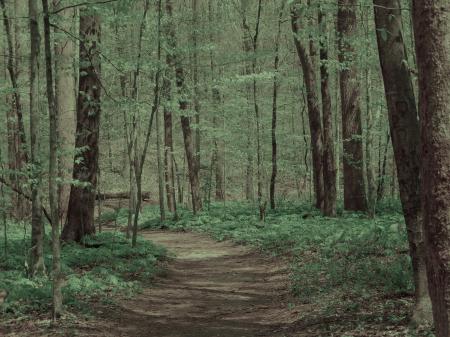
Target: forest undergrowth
(351,269)
(348,271)
(104,267)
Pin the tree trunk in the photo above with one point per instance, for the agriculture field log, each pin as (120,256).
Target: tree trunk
(37,265)
(216,99)
(65,93)
(274,110)
(168,148)
(218,151)
(195,28)
(432,32)
(16,131)
(404,126)
(53,170)
(80,217)
(329,164)
(313,103)
(193,166)
(162,209)
(139,160)
(382,170)
(247,48)
(354,192)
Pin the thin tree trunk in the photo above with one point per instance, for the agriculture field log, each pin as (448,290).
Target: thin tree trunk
(247,47)
(193,166)
(382,171)
(354,191)
(37,265)
(216,99)
(251,45)
(313,103)
(80,217)
(53,169)
(218,151)
(162,209)
(432,32)
(195,28)
(136,166)
(168,148)
(139,161)
(329,164)
(274,109)
(404,127)
(16,130)
(65,83)
(370,169)
(179,183)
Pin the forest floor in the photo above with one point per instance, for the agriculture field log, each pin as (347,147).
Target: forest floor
(228,275)
(208,289)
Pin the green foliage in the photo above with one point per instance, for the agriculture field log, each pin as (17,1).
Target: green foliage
(104,267)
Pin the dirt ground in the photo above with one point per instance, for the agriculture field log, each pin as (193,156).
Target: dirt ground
(210,289)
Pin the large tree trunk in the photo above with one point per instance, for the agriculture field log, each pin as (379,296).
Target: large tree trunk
(193,165)
(37,265)
(80,217)
(313,103)
(53,169)
(329,164)
(354,192)
(65,93)
(404,126)
(432,33)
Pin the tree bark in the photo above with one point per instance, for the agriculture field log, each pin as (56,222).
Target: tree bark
(80,217)
(329,164)
(37,265)
(432,33)
(313,103)
(354,192)
(405,133)
(65,92)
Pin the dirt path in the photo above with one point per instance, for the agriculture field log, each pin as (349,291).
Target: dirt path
(211,290)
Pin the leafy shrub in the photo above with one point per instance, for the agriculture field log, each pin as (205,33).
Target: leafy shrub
(110,267)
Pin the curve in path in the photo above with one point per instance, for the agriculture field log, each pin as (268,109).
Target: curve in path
(211,289)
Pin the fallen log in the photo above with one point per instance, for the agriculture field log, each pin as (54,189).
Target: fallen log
(120,195)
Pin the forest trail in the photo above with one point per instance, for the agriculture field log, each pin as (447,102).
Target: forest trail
(211,289)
